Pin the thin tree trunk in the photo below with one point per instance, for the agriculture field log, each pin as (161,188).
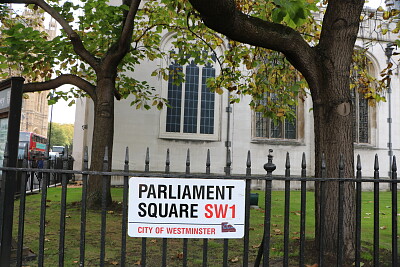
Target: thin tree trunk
(103,134)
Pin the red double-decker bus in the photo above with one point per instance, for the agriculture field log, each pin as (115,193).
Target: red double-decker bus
(36,145)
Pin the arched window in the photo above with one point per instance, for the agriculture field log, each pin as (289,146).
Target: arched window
(268,128)
(361,82)
(280,84)
(193,108)
(191,103)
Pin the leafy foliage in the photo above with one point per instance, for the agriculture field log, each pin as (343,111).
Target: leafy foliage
(61,134)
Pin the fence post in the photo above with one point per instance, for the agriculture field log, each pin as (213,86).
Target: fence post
(303,209)
(124,228)
(287,210)
(340,241)
(358,213)
(246,239)
(8,187)
(265,246)
(376,212)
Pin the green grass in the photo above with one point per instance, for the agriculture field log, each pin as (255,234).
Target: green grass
(154,247)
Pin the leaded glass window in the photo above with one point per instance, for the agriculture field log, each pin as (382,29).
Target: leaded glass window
(191,103)
(271,129)
(360,118)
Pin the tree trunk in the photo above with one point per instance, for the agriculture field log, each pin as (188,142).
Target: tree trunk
(333,125)
(103,134)
(333,137)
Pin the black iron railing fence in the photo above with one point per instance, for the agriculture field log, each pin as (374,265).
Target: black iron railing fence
(261,259)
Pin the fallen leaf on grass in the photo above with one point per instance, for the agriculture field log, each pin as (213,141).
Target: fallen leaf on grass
(138,262)
(314,265)
(277,231)
(180,255)
(114,262)
(255,246)
(296,238)
(383,227)
(236,259)
(153,241)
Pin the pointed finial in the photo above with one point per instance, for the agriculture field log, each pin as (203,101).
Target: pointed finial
(208,162)
(127,155)
(376,164)
(188,162)
(167,162)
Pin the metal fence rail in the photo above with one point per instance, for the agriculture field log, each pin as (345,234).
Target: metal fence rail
(263,256)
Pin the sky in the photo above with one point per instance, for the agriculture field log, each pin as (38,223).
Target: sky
(62,113)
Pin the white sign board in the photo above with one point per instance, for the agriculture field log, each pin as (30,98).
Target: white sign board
(186,208)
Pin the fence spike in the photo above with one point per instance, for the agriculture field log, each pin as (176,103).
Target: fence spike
(65,156)
(248,163)
(341,162)
(323,166)
(287,165)
(105,161)
(188,161)
(85,158)
(394,165)
(303,161)
(167,162)
(127,155)
(5,157)
(208,162)
(26,151)
(358,162)
(376,164)
(147,160)
(106,154)
(341,166)
(323,162)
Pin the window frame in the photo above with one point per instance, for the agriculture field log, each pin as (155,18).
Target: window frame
(215,136)
(372,116)
(299,128)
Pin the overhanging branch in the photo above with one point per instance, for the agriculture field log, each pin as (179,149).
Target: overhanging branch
(59,81)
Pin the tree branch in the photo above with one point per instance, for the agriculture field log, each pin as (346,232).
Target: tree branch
(223,17)
(59,81)
(117,52)
(72,35)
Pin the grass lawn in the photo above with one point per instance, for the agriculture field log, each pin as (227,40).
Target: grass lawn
(113,237)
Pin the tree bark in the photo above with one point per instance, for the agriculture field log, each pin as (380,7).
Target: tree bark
(103,134)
